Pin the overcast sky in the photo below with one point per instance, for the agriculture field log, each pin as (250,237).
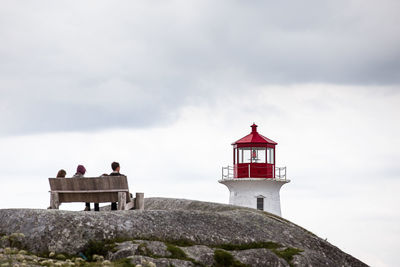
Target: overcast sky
(164,87)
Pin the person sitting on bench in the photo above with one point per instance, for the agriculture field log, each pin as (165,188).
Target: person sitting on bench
(115,167)
(61,173)
(80,173)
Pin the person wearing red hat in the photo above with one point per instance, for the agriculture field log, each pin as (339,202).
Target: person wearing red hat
(80,173)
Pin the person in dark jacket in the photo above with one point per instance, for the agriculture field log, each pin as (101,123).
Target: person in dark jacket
(115,167)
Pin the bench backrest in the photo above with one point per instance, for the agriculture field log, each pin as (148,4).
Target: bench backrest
(89,189)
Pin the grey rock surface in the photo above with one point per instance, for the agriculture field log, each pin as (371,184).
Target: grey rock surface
(259,257)
(159,262)
(200,253)
(201,223)
(156,248)
(123,250)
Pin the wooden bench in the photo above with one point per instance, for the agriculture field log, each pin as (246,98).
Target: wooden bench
(93,189)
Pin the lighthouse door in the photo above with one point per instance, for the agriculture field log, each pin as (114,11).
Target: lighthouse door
(260,203)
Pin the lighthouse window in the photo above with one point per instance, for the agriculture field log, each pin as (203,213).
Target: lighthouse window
(260,203)
(258,155)
(270,155)
(245,155)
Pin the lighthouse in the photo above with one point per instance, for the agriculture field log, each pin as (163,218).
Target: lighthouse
(254,181)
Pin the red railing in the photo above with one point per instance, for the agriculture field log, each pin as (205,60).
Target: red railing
(252,171)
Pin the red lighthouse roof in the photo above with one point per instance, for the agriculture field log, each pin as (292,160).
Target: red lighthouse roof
(254,137)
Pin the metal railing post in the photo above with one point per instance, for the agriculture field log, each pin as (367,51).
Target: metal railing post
(249,170)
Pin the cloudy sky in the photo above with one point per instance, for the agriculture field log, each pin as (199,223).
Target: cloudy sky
(164,87)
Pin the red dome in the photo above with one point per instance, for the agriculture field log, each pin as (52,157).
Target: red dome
(254,137)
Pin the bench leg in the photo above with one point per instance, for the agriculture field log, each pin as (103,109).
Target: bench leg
(121,200)
(54,200)
(139,201)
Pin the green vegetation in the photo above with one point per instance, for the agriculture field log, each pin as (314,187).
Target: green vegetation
(123,263)
(223,258)
(61,257)
(287,254)
(102,247)
(14,240)
(176,252)
(98,248)
(144,251)
(267,245)
(95,251)
(180,242)
(176,242)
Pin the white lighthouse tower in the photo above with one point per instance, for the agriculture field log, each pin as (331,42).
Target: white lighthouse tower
(254,181)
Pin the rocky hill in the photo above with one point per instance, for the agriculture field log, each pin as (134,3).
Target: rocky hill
(171,232)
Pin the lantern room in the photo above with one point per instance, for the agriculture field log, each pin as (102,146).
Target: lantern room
(253,180)
(254,156)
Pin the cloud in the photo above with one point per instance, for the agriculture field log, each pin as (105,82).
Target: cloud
(96,65)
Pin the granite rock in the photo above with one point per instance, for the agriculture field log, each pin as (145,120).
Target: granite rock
(200,223)
(200,253)
(259,257)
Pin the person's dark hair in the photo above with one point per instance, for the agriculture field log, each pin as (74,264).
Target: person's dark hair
(114,165)
(61,173)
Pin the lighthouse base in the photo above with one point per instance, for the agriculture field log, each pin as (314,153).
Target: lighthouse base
(256,193)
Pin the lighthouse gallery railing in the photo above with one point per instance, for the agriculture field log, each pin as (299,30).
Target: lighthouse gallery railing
(228,172)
